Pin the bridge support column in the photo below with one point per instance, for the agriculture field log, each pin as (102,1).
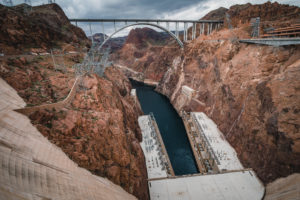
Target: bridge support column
(168,26)
(103,33)
(194,31)
(115,26)
(185,37)
(176,29)
(202,28)
(91,33)
(76,24)
(208,28)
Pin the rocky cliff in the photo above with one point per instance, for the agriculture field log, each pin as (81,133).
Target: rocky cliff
(250,91)
(141,50)
(42,28)
(98,130)
(34,168)
(283,188)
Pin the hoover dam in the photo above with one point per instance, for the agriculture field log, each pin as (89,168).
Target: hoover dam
(143,106)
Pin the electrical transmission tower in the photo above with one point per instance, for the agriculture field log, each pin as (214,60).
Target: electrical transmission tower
(8,2)
(95,61)
(58,60)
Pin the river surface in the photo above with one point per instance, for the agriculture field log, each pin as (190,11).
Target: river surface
(171,128)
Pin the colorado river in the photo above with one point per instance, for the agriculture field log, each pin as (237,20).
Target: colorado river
(171,128)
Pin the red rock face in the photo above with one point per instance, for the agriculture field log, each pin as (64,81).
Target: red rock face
(141,37)
(268,12)
(45,27)
(99,131)
(250,91)
(141,52)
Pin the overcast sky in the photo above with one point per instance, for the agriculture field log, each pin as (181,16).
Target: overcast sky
(165,9)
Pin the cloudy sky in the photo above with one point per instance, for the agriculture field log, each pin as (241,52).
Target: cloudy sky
(165,9)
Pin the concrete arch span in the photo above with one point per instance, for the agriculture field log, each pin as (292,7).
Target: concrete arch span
(143,23)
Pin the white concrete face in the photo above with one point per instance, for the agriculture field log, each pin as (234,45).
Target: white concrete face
(133,92)
(188,91)
(225,154)
(228,186)
(150,145)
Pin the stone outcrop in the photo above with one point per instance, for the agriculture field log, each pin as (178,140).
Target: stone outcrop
(250,91)
(284,188)
(269,13)
(141,51)
(99,131)
(43,28)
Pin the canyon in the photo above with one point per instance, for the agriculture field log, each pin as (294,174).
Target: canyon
(250,91)
(98,130)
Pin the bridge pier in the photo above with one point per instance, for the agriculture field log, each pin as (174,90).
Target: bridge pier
(185,37)
(202,29)
(91,33)
(177,27)
(194,31)
(103,32)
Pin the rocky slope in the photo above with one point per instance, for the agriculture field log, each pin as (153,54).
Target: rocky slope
(141,49)
(42,28)
(99,129)
(250,91)
(284,188)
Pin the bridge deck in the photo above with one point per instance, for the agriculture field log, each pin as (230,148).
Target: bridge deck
(145,20)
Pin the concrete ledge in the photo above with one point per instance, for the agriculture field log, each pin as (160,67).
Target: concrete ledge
(273,41)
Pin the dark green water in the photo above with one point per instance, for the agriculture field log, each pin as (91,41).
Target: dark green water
(171,128)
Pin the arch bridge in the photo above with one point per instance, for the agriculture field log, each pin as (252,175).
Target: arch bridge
(199,27)
(96,59)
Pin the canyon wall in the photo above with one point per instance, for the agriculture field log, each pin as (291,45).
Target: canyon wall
(250,91)
(41,29)
(98,129)
(34,168)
